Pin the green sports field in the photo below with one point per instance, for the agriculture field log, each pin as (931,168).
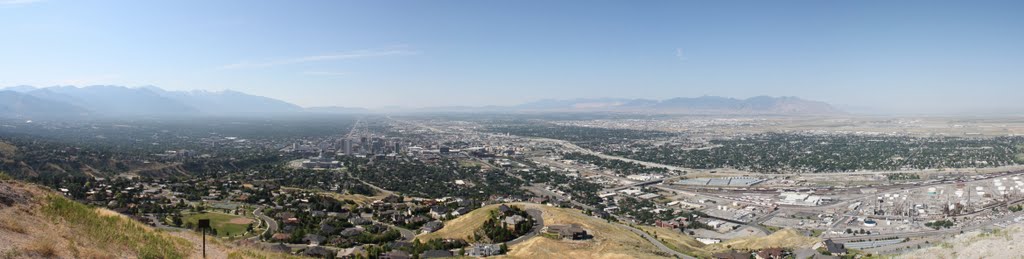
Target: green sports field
(224,223)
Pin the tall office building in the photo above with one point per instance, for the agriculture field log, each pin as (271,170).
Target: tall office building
(364,145)
(347,145)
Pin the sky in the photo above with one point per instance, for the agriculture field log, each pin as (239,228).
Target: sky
(899,56)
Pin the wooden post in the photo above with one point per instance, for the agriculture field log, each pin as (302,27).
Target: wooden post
(204,224)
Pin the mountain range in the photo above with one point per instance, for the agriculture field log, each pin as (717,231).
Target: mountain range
(120,101)
(697,105)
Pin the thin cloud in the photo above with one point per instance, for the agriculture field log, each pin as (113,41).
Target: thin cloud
(679,54)
(357,54)
(90,80)
(324,73)
(18,2)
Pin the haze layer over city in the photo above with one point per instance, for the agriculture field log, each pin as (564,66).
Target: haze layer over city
(511,129)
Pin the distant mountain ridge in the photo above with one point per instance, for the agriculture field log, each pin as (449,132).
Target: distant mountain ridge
(120,101)
(106,100)
(698,105)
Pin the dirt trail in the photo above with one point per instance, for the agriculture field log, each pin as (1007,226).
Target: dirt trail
(213,250)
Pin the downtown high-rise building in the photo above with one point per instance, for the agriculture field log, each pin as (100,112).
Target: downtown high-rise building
(347,146)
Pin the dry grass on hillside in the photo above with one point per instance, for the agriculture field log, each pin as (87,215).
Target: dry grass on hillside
(786,238)
(610,240)
(463,226)
(38,223)
(6,149)
(999,243)
(678,241)
(357,198)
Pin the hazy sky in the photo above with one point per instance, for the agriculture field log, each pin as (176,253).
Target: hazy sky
(893,55)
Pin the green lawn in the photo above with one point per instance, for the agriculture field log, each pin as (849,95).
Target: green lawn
(219,221)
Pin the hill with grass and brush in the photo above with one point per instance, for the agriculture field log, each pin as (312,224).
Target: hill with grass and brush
(36,222)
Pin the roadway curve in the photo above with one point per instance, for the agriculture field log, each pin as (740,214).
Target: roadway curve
(538,223)
(271,223)
(657,243)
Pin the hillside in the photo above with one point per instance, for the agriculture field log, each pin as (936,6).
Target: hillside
(998,243)
(35,222)
(38,223)
(463,226)
(610,240)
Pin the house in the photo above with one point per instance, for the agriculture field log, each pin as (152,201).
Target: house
(731,255)
(393,199)
(281,237)
(417,219)
(770,253)
(667,223)
(438,212)
(351,252)
(313,239)
(436,254)
(834,248)
(327,229)
(538,200)
(351,232)
(460,211)
(432,226)
(279,248)
(483,250)
(513,220)
(571,231)
(317,251)
(395,254)
(504,209)
(359,221)
(401,245)
(285,215)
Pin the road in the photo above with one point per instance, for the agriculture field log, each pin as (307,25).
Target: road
(537,226)
(574,147)
(407,234)
(656,243)
(927,233)
(271,223)
(541,191)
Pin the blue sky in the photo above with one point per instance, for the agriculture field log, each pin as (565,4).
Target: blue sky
(906,56)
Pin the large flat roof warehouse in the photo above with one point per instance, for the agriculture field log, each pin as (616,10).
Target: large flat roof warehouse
(728,181)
